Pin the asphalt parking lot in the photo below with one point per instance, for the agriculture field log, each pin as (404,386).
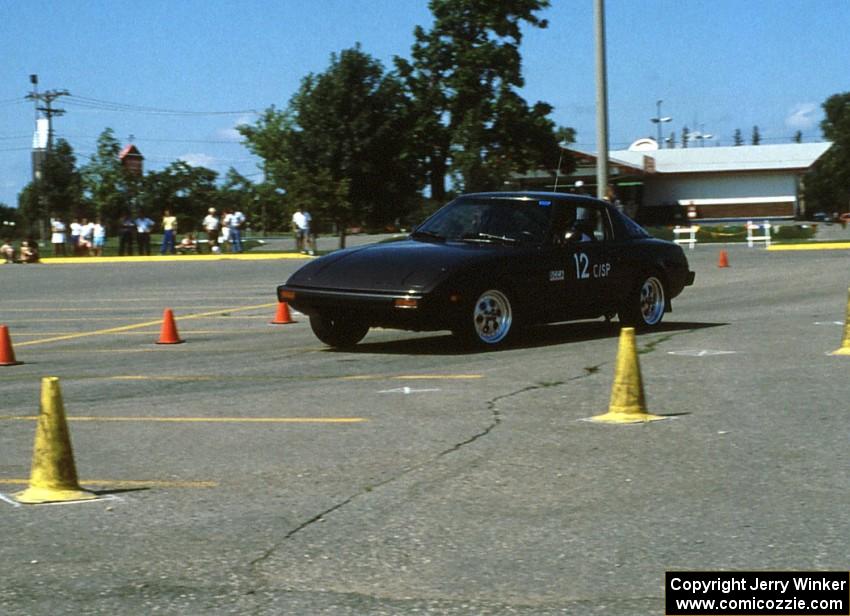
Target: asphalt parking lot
(253,471)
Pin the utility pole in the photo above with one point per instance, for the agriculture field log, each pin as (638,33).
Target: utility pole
(601,101)
(42,147)
(47,109)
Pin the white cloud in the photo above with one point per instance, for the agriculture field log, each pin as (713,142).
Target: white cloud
(228,134)
(199,160)
(803,116)
(231,134)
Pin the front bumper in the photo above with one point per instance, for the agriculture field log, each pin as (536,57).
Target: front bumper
(391,309)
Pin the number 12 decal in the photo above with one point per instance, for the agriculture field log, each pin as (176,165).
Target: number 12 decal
(582,265)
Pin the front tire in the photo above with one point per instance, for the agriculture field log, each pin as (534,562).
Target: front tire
(488,321)
(338,331)
(646,303)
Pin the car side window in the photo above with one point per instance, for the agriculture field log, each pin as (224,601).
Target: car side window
(633,230)
(594,222)
(575,224)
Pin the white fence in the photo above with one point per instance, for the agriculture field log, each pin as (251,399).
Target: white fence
(690,232)
(758,233)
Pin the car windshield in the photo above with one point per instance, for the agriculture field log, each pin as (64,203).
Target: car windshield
(489,220)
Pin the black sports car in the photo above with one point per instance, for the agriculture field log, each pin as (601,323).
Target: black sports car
(487,263)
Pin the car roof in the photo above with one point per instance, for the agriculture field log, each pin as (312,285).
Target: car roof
(534,195)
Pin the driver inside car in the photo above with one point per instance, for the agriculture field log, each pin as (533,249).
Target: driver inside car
(581,231)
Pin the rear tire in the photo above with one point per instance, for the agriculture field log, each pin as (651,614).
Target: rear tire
(645,304)
(338,331)
(488,321)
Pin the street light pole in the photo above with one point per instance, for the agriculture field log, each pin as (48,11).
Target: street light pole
(659,120)
(601,101)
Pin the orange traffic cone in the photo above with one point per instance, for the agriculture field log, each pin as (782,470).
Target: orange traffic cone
(282,317)
(723,261)
(168,333)
(7,353)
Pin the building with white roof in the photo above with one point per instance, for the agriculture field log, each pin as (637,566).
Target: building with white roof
(762,181)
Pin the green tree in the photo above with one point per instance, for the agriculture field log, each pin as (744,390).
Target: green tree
(11,222)
(798,137)
(738,138)
(756,139)
(836,123)
(108,187)
(345,130)
(827,185)
(463,80)
(57,193)
(260,203)
(186,191)
(686,136)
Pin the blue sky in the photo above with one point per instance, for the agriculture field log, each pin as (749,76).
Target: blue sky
(717,65)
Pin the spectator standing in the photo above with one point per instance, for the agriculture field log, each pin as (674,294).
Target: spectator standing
(86,240)
(301,225)
(144,225)
(235,221)
(57,237)
(169,230)
(126,234)
(311,234)
(224,238)
(211,226)
(75,237)
(98,237)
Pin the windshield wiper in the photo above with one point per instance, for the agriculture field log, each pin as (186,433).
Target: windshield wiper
(489,237)
(429,234)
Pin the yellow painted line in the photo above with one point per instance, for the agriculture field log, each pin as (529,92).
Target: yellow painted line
(135,302)
(445,377)
(172,258)
(140,377)
(174,348)
(130,333)
(122,317)
(284,420)
(128,483)
(126,328)
(816,246)
(413,377)
(243,377)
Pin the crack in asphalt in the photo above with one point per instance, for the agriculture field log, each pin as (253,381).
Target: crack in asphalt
(649,347)
(491,405)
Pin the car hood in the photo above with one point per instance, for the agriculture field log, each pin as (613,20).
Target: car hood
(406,265)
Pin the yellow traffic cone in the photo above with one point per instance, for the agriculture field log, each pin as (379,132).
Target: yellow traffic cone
(54,476)
(845,344)
(628,403)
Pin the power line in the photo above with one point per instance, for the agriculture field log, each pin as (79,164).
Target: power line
(137,138)
(102,105)
(13,101)
(82,153)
